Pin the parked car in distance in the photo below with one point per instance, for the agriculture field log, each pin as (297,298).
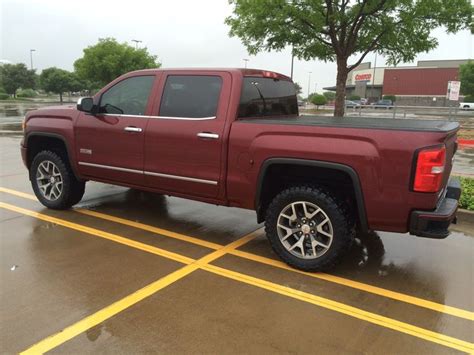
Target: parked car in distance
(383,104)
(467,105)
(234,137)
(352,104)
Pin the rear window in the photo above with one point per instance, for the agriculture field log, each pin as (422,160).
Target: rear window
(191,96)
(262,97)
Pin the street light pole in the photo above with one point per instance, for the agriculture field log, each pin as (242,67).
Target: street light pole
(309,82)
(136,42)
(292,62)
(245,61)
(31,58)
(373,76)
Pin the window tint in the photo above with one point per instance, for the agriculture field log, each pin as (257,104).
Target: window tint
(191,96)
(128,97)
(267,97)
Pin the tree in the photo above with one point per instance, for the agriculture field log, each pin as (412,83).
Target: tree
(109,59)
(298,89)
(335,30)
(318,100)
(466,76)
(57,81)
(329,95)
(15,76)
(354,97)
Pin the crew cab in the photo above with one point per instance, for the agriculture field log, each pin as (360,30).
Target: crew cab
(234,137)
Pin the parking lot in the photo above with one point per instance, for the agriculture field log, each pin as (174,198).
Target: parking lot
(134,272)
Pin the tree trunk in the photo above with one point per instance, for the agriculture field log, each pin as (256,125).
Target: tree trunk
(61,97)
(342,73)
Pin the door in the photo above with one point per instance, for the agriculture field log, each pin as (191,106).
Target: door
(110,144)
(184,142)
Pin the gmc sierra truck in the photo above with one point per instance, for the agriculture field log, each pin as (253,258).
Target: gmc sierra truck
(234,137)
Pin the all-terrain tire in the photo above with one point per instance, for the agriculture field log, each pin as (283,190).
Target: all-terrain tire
(342,223)
(71,191)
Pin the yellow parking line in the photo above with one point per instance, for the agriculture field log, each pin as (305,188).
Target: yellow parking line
(398,296)
(119,306)
(416,301)
(373,318)
(79,327)
(152,229)
(100,233)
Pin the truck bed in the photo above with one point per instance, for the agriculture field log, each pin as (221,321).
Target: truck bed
(361,122)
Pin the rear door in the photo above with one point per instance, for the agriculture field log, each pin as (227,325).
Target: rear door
(109,145)
(184,140)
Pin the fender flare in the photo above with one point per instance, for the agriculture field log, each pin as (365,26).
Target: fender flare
(320,164)
(56,136)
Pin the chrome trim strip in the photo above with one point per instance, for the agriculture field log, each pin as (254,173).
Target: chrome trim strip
(111,167)
(164,117)
(208,135)
(185,178)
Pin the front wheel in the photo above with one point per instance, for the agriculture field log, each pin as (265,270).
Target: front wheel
(308,228)
(54,182)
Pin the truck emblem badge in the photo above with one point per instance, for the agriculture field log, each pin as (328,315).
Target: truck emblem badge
(85,151)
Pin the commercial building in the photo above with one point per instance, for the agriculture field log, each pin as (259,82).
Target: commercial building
(423,85)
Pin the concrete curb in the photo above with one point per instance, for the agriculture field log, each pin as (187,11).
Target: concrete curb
(465,216)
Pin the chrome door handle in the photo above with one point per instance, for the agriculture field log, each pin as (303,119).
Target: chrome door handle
(208,135)
(132,129)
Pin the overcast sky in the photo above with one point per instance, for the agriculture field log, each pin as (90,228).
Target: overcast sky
(183,33)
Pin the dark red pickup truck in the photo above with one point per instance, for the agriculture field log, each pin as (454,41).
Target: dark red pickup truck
(234,137)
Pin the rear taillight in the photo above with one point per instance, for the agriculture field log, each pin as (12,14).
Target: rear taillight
(430,165)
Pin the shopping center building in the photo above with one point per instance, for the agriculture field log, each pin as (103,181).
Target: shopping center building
(425,84)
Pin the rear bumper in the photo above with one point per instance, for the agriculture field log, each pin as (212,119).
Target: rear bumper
(434,224)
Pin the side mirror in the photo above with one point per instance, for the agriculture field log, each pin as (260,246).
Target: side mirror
(85,104)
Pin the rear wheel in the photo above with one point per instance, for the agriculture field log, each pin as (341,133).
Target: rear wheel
(308,228)
(53,181)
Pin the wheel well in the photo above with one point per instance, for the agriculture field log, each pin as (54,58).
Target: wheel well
(339,183)
(38,143)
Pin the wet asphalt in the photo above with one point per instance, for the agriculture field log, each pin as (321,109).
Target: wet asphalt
(393,293)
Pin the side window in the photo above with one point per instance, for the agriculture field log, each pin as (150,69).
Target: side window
(193,96)
(128,97)
(262,97)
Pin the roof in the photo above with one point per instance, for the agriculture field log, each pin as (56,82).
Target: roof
(244,71)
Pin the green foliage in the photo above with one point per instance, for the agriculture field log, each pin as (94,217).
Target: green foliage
(334,31)
(390,97)
(329,95)
(318,100)
(4,96)
(26,93)
(15,76)
(354,97)
(109,59)
(467,196)
(298,89)
(60,81)
(469,98)
(466,76)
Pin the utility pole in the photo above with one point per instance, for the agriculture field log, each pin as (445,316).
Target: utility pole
(292,62)
(31,58)
(136,42)
(373,76)
(245,62)
(309,82)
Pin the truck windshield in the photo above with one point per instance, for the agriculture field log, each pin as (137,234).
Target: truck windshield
(263,97)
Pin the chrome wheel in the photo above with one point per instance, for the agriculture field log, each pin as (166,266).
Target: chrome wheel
(49,180)
(305,230)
